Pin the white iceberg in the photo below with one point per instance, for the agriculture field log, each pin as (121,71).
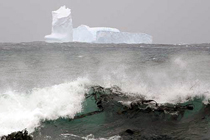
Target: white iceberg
(62,29)
(123,37)
(95,30)
(84,33)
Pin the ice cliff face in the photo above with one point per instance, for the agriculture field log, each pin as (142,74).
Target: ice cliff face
(123,37)
(62,30)
(84,33)
(95,30)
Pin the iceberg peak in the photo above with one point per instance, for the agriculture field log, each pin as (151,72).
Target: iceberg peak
(62,29)
(62,12)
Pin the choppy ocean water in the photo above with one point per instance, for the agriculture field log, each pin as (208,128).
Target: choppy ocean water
(43,88)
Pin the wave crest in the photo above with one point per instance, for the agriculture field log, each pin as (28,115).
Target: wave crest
(26,110)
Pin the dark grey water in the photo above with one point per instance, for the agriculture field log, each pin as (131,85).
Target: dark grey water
(166,73)
(37,64)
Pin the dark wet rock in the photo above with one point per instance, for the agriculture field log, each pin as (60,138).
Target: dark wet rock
(136,135)
(130,132)
(20,135)
(130,135)
(160,137)
(106,98)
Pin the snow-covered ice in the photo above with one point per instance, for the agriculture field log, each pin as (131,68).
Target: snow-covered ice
(123,37)
(84,33)
(62,30)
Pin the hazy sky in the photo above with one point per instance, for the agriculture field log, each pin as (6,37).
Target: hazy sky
(177,21)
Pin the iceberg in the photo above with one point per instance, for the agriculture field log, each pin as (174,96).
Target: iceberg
(62,29)
(84,33)
(95,30)
(123,37)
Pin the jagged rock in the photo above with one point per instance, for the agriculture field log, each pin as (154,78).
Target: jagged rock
(20,135)
(130,135)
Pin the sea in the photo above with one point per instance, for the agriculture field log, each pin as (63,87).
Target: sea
(44,88)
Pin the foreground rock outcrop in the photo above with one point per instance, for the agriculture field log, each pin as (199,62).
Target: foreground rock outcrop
(136,135)
(20,135)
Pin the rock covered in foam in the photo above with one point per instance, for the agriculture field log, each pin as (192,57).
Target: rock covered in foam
(84,33)
(123,37)
(62,30)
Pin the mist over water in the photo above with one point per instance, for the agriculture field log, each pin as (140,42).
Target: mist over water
(40,81)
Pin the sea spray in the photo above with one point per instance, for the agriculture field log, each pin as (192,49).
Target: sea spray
(26,110)
(173,82)
(174,93)
(165,73)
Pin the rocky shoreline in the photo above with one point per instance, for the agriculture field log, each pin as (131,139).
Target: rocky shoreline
(20,135)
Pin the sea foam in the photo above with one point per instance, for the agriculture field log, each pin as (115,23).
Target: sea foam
(26,110)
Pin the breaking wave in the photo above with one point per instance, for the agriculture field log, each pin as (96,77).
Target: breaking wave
(155,89)
(27,110)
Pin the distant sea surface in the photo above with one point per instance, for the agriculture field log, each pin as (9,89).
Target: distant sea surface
(43,88)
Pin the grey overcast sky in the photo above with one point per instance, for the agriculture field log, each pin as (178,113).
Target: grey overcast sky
(177,21)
